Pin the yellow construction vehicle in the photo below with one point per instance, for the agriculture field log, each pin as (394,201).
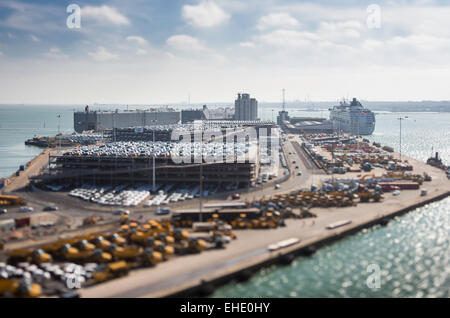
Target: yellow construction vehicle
(166,239)
(100,242)
(151,242)
(124,218)
(18,255)
(92,220)
(16,288)
(196,245)
(11,200)
(70,253)
(117,239)
(112,270)
(138,237)
(180,235)
(39,256)
(124,253)
(84,245)
(150,257)
(166,250)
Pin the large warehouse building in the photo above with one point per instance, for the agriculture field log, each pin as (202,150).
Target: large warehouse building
(101,120)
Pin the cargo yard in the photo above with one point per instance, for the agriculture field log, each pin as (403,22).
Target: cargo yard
(127,215)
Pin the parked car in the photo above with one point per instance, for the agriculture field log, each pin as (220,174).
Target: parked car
(162,211)
(299,173)
(277,186)
(236,196)
(25,209)
(51,208)
(3,211)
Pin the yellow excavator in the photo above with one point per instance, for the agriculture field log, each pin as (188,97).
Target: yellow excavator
(166,250)
(37,256)
(15,288)
(72,254)
(101,242)
(124,253)
(150,257)
(117,239)
(112,270)
(196,245)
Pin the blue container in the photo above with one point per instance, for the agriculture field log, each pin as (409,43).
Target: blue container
(22,168)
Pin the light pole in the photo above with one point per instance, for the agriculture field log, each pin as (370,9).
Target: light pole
(400,142)
(201,175)
(154,173)
(59,131)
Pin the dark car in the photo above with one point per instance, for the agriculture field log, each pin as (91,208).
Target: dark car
(51,208)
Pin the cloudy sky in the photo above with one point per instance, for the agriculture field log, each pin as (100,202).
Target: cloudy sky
(160,51)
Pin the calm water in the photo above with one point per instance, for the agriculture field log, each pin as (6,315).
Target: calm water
(19,123)
(412,251)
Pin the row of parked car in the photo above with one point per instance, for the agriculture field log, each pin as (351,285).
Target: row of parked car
(172,193)
(162,149)
(112,196)
(126,196)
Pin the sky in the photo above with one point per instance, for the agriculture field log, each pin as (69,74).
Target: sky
(167,51)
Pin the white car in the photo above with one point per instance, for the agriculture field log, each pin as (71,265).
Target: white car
(3,211)
(163,211)
(25,209)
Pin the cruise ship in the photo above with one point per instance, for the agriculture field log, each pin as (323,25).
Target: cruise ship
(352,118)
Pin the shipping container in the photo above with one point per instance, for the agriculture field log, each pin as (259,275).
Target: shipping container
(401,185)
(22,221)
(8,224)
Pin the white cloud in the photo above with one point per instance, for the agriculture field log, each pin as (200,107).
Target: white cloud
(288,38)
(138,39)
(55,53)
(10,35)
(341,31)
(277,20)
(206,14)
(104,13)
(141,52)
(247,44)
(34,38)
(102,55)
(184,42)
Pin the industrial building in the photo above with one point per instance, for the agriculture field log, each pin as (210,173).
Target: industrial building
(245,108)
(101,120)
(190,115)
(116,170)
